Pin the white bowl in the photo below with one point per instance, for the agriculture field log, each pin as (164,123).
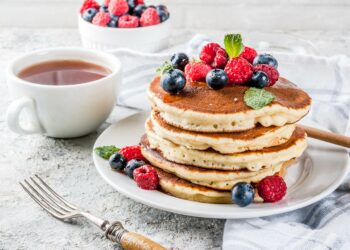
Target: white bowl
(147,39)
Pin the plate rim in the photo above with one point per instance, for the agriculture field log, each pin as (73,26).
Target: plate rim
(217,215)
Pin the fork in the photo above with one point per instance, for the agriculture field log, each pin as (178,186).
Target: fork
(63,210)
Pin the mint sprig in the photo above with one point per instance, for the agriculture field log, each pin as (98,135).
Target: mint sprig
(257,98)
(166,66)
(233,45)
(106,151)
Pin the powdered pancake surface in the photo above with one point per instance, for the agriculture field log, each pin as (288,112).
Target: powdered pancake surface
(225,143)
(199,108)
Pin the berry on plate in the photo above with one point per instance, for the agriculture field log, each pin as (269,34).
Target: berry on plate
(146,177)
(179,60)
(117,161)
(238,69)
(270,71)
(196,71)
(87,4)
(103,8)
(139,9)
(118,7)
(266,59)
(113,23)
(242,194)
(101,19)
(132,5)
(272,188)
(89,14)
(173,81)
(131,166)
(128,21)
(249,54)
(216,79)
(163,12)
(213,55)
(132,152)
(149,17)
(259,79)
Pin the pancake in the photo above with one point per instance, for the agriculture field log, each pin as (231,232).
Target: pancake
(199,108)
(251,160)
(217,179)
(183,189)
(225,143)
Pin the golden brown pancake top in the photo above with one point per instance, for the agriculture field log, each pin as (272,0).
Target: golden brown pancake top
(250,134)
(197,96)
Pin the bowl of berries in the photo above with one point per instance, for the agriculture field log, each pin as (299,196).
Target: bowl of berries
(124,24)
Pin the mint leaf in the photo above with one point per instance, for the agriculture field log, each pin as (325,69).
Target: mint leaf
(106,151)
(233,45)
(166,66)
(257,98)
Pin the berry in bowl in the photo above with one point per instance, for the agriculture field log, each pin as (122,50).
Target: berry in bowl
(124,24)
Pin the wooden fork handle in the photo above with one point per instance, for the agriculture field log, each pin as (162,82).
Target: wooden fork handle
(135,241)
(128,240)
(330,137)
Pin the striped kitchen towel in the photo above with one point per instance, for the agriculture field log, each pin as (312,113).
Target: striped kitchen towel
(324,225)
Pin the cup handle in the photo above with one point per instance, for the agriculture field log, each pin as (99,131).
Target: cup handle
(13,116)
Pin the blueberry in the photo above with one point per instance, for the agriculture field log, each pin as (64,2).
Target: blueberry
(117,161)
(114,17)
(179,60)
(163,15)
(266,59)
(132,6)
(131,166)
(139,9)
(216,79)
(162,7)
(259,79)
(89,14)
(242,194)
(104,8)
(113,23)
(173,81)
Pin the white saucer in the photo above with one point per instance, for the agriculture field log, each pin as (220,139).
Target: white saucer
(316,174)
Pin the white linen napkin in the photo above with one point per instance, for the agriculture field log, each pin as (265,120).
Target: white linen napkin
(324,225)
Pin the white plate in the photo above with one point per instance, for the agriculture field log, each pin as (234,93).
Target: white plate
(317,173)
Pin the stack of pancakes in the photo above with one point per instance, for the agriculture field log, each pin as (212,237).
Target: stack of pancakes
(203,141)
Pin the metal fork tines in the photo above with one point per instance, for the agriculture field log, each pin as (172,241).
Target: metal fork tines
(63,210)
(48,199)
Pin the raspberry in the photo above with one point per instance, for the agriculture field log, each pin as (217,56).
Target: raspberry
(146,177)
(272,188)
(149,17)
(213,55)
(132,152)
(196,71)
(87,4)
(249,54)
(270,71)
(101,19)
(238,71)
(106,2)
(137,2)
(118,7)
(128,21)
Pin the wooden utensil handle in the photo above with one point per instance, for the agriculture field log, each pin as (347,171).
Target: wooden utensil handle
(323,135)
(135,241)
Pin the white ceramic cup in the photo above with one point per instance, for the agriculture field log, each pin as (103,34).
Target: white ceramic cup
(62,111)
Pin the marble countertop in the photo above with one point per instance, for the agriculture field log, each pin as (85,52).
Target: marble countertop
(67,165)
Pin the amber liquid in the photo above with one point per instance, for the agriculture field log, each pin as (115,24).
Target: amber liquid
(63,72)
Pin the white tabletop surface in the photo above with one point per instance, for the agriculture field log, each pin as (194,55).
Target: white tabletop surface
(67,165)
